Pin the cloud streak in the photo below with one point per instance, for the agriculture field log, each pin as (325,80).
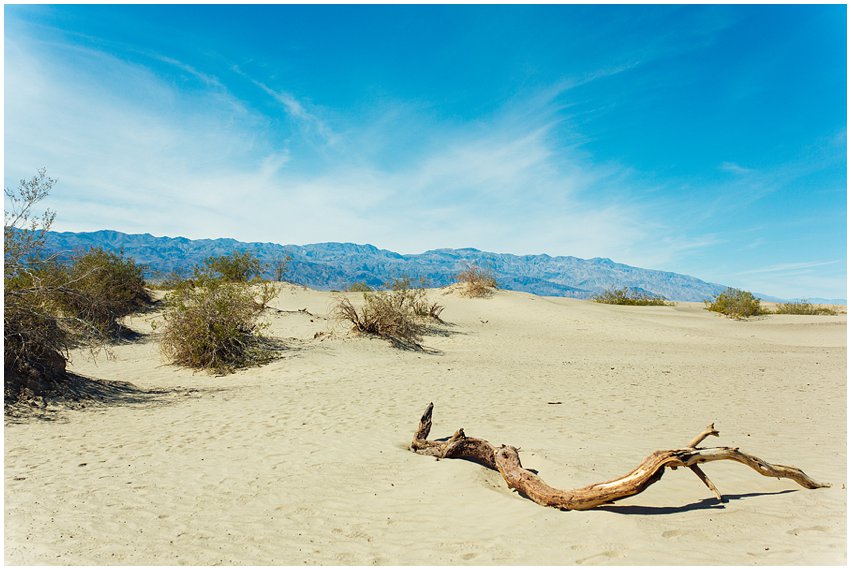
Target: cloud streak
(204,166)
(134,152)
(788,268)
(310,122)
(734,168)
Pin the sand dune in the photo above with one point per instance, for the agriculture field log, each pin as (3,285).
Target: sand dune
(305,460)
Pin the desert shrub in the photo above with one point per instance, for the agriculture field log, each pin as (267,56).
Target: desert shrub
(279,267)
(237,267)
(213,324)
(35,342)
(395,314)
(265,291)
(627,297)
(802,307)
(476,281)
(359,287)
(426,309)
(103,287)
(736,304)
(414,299)
(382,315)
(166,281)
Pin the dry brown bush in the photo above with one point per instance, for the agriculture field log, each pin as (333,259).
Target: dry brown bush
(396,314)
(476,282)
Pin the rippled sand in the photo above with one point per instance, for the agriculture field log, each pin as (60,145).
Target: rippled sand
(305,460)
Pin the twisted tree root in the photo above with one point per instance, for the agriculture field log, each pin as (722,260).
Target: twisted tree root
(506,460)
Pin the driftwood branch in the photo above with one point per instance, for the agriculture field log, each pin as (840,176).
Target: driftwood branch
(506,460)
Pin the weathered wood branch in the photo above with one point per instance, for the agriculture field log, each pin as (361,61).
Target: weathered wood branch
(506,460)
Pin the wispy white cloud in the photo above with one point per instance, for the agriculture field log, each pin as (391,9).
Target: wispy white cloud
(734,168)
(790,268)
(206,78)
(135,153)
(129,151)
(798,280)
(312,123)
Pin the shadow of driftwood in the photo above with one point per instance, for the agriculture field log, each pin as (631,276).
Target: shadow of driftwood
(709,503)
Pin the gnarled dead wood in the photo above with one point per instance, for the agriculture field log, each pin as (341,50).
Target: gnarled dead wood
(506,460)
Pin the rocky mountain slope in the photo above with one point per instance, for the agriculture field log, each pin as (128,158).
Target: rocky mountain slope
(325,266)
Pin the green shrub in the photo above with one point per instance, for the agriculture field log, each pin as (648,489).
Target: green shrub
(802,307)
(166,281)
(213,324)
(736,304)
(476,282)
(35,340)
(35,344)
(279,267)
(626,297)
(239,267)
(265,291)
(359,287)
(104,287)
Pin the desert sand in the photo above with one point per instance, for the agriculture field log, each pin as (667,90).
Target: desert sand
(305,460)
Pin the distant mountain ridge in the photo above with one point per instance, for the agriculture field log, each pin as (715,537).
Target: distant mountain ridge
(335,266)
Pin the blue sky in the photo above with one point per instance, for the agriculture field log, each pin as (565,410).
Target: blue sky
(707,140)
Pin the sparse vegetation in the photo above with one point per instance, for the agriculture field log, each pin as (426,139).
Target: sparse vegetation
(279,267)
(213,323)
(212,320)
(802,307)
(168,281)
(426,309)
(104,287)
(476,282)
(415,299)
(35,344)
(238,267)
(51,304)
(625,296)
(359,287)
(736,304)
(396,314)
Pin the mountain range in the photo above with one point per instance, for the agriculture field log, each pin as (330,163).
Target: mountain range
(335,266)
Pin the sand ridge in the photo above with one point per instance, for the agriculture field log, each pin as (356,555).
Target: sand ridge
(305,460)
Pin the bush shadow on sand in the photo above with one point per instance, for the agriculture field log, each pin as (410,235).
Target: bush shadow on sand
(81,392)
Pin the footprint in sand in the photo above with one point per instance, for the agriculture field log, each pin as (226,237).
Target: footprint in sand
(817,528)
(673,533)
(606,555)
